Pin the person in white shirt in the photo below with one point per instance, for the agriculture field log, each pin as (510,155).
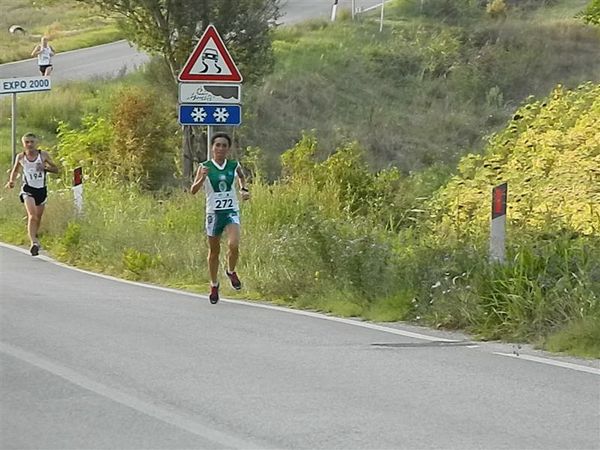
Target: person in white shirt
(34,164)
(44,53)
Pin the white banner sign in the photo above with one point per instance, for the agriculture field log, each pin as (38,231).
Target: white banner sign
(210,93)
(24,84)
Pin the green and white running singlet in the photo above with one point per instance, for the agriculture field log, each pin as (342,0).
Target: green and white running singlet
(222,207)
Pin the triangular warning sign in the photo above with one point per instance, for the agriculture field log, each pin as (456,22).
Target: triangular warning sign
(210,61)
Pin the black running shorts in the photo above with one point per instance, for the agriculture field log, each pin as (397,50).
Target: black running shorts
(38,194)
(43,68)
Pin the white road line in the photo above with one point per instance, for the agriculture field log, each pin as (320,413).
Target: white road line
(355,323)
(182,421)
(311,314)
(552,362)
(241,302)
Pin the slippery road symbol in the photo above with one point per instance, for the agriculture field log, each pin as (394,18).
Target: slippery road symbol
(210,58)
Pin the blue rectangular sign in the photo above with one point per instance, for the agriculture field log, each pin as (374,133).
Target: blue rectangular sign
(210,114)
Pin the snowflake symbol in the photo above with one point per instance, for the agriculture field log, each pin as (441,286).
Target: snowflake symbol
(221,114)
(198,114)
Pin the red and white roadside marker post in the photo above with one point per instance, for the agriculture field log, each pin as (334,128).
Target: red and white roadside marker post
(498,225)
(78,189)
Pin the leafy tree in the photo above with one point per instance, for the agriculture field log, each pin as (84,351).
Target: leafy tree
(171,28)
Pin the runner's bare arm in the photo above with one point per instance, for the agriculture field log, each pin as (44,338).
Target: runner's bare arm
(49,164)
(13,173)
(199,180)
(242,182)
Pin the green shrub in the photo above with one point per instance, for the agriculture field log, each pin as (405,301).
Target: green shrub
(591,14)
(549,157)
(137,263)
(445,10)
(579,337)
(141,150)
(87,146)
(128,146)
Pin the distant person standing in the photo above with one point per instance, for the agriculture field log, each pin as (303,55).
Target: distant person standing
(34,164)
(218,176)
(44,53)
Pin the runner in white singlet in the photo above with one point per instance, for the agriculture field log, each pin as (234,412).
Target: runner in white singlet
(44,53)
(33,164)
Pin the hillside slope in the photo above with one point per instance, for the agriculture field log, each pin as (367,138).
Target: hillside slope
(426,90)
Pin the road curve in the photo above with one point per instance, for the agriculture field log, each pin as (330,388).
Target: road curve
(93,362)
(110,60)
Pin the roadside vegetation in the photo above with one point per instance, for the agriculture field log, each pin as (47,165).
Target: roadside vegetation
(383,216)
(69,25)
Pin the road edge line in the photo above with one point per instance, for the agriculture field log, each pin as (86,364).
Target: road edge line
(552,362)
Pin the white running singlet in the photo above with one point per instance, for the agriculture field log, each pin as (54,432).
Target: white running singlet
(34,174)
(45,56)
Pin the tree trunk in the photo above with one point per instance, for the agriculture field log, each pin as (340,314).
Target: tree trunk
(187,153)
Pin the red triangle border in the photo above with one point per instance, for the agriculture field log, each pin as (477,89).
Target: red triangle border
(210,33)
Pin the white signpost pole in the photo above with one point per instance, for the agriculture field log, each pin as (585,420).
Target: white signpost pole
(208,138)
(334,10)
(13,126)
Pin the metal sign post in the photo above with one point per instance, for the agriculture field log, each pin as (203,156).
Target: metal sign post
(498,225)
(209,135)
(14,86)
(13,126)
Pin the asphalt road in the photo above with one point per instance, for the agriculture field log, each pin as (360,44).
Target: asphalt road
(110,60)
(92,362)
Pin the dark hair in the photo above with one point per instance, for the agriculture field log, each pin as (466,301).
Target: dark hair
(29,135)
(220,135)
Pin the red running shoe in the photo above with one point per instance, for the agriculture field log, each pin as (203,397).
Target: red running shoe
(214,295)
(235,281)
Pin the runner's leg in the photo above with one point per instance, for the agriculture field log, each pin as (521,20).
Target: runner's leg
(40,213)
(32,218)
(214,248)
(233,247)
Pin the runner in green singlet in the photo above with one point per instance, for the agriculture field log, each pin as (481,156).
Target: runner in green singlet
(218,176)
